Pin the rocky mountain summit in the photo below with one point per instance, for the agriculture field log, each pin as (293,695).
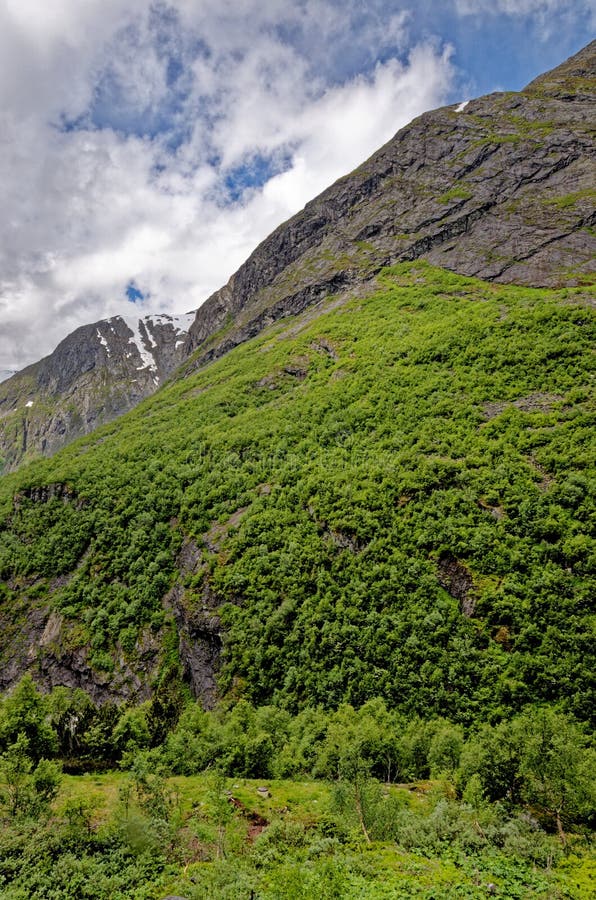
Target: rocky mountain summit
(501,188)
(95,374)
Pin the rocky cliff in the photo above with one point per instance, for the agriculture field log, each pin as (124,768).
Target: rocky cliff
(501,187)
(95,374)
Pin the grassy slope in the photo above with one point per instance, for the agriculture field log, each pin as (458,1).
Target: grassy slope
(302,854)
(344,457)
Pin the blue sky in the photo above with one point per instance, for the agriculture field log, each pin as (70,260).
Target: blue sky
(147,147)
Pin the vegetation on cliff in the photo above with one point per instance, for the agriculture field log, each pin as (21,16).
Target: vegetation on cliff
(393,499)
(383,512)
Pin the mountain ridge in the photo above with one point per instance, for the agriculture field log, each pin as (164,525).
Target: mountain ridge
(522,149)
(501,188)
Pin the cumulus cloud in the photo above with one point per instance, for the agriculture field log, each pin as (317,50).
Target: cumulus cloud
(158,143)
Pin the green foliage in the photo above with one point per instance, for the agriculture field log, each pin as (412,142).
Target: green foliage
(558,769)
(23,714)
(165,706)
(395,499)
(132,734)
(540,757)
(445,749)
(50,861)
(421,845)
(27,789)
(459,192)
(70,714)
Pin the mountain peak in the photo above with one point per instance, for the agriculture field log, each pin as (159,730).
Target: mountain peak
(96,373)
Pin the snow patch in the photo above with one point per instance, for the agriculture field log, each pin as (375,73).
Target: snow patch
(148,325)
(103,341)
(144,336)
(462,106)
(140,343)
(181,322)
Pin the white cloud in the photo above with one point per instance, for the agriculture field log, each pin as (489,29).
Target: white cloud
(512,7)
(550,15)
(120,121)
(161,109)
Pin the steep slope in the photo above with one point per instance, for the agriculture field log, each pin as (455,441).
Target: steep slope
(95,374)
(391,498)
(501,188)
(390,492)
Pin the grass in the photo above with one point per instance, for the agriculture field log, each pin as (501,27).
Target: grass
(290,858)
(459,192)
(568,200)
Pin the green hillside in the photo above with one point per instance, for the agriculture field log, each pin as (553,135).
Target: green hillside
(103,844)
(388,497)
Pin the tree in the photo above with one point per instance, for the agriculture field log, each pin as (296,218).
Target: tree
(557,769)
(445,749)
(166,705)
(70,715)
(495,754)
(27,789)
(25,711)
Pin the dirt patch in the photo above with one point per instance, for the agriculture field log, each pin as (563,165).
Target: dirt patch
(497,512)
(322,345)
(257,822)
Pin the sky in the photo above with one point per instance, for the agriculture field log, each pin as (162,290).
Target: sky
(146,148)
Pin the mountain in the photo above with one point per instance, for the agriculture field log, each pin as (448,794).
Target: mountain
(390,498)
(501,188)
(371,475)
(95,374)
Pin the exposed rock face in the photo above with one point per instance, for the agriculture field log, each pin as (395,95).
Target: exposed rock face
(199,627)
(200,645)
(95,374)
(457,580)
(501,188)
(38,641)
